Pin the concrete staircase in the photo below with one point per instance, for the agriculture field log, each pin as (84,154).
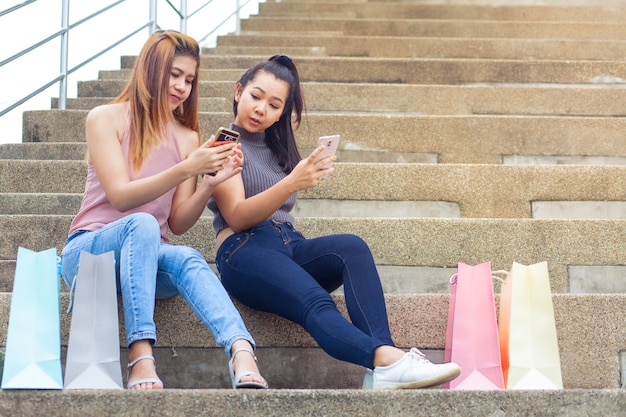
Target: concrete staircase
(471,131)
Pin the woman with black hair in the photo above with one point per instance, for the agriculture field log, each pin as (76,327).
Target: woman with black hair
(270,266)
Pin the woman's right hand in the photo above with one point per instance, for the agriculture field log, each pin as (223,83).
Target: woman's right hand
(210,159)
(308,172)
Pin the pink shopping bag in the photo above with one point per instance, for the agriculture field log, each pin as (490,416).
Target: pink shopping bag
(472,333)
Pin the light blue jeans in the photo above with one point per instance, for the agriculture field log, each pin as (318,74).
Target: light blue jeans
(147,269)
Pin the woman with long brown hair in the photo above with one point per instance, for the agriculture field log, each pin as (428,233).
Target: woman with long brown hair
(144,158)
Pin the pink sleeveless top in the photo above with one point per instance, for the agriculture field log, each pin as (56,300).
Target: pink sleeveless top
(96,210)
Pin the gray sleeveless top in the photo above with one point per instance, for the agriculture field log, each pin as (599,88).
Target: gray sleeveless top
(260,172)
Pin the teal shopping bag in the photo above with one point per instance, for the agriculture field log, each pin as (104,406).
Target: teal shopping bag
(32,359)
(1,364)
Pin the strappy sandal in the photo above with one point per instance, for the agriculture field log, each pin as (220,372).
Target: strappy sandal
(236,379)
(142,380)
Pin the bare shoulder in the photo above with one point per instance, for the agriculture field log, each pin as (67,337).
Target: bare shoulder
(188,139)
(112,116)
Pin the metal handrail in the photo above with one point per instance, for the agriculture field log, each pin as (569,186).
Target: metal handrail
(16,7)
(66,27)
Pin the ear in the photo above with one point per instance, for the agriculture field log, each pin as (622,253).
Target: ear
(238,92)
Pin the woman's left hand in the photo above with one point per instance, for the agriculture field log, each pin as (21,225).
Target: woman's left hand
(232,167)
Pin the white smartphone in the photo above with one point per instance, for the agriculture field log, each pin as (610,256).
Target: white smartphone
(330,144)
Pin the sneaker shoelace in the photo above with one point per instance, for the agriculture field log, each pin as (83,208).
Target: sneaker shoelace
(416,355)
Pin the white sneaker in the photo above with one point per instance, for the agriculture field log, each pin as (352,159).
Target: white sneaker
(368,379)
(412,371)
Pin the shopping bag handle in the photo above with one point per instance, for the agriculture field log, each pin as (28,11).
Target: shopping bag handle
(494,275)
(454,277)
(72,289)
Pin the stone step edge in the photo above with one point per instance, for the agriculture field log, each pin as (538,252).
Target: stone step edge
(456,139)
(289,403)
(418,320)
(430,242)
(388,25)
(331,44)
(216,78)
(480,190)
(521,11)
(431,71)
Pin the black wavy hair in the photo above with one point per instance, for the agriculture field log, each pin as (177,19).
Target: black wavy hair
(280,136)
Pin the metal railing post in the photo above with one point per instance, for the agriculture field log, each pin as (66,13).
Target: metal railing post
(65,22)
(238,17)
(183,16)
(153,16)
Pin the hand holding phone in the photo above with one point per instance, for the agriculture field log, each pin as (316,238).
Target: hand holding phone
(224,136)
(330,144)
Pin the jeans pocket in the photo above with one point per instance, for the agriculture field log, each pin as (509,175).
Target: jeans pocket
(232,245)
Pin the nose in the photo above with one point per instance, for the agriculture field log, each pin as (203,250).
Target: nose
(179,85)
(260,108)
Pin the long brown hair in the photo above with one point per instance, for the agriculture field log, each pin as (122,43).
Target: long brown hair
(147,92)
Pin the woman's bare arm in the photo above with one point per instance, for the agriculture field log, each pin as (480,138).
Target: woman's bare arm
(105,127)
(241,213)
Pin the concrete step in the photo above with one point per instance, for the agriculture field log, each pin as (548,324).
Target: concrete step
(300,44)
(438,28)
(40,202)
(418,320)
(599,99)
(206,74)
(368,189)
(410,243)
(292,51)
(43,151)
(69,203)
(46,176)
(427,280)
(581,279)
(572,11)
(207,104)
(431,70)
(310,206)
(76,151)
(413,255)
(452,139)
(289,403)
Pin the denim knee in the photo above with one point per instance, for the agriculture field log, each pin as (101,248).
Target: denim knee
(191,253)
(144,223)
(357,242)
(350,244)
(181,259)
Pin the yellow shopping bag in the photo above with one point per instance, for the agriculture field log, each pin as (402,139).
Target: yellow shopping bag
(528,340)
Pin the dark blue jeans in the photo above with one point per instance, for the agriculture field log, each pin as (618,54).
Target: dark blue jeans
(272,267)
